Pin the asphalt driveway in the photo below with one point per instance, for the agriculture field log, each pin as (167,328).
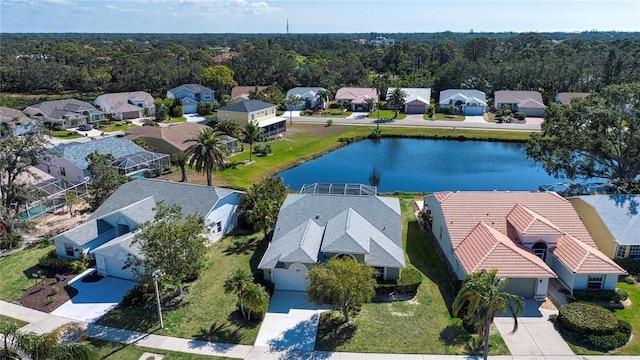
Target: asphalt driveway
(291,322)
(94,299)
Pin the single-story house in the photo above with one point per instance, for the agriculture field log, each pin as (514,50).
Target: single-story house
(566,97)
(357,97)
(191,95)
(16,122)
(314,227)
(613,221)
(108,233)
(259,112)
(171,139)
(417,100)
(127,105)
(69,160)
(528,102)
(241,93)
(467,101)
(308,98)
(529,237)
(66,112)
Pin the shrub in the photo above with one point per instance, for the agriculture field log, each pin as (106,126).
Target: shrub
(630,279)
(75,266)
(139,295)
(583,318)
(520,115)
(48,300)
(55,290)
(595,295)
(329,122)
(11,241)
(408,283)
(621,295)
(630,264)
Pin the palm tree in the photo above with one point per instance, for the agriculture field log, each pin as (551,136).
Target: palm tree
(251,132)
(207,152)
(263,215)
(291,102)
(322,97)
(237,282)
(179,159)
(55,344)
(370,104)
(255,298)
(482,294)
(397,97)
(71,198)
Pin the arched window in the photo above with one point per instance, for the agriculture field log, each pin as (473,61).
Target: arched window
(540,249)
(346,256)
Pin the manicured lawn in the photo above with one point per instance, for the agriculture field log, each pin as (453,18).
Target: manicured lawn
(176,120)
(335,113)
(386,114)
(114,351)
(116,126)
(440,116)
(205,312)
(423,325)
(65,134)
(18,268)
(7,319)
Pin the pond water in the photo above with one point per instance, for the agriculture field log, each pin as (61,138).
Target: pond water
(421,165)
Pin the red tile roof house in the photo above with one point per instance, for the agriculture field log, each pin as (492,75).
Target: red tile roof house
(357,97)
(528,102)
(529,237)
(242,92)
(566,97)
(171,139)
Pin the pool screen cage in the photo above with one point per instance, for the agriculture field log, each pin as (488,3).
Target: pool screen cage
(338,189)
(142,160)
(52,195)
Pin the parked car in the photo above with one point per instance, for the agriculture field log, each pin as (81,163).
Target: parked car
(84,127)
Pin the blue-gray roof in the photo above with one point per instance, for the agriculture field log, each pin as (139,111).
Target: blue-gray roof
(305,92)
(312,224)
(194,199)
(247,106)
(77,152)
(620,214)
(196,88)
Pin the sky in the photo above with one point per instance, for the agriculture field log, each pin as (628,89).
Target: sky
(314,16)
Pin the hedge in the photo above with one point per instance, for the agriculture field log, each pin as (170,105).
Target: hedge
(408,283)
(597,295)
(52,260)
(592,326)
(632,265)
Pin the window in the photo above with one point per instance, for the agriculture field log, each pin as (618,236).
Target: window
(68,249)
(540,249)
(634,251)
(63,172)
(595,282)
(219,226)
(380,271)
(621,251)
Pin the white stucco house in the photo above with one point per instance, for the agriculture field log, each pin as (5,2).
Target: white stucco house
(108,233)
(127,105)
(308,98)
(66,112)
(417,100)
(319,224)
(357,97)
(529,237)
(468,101)
(528,102)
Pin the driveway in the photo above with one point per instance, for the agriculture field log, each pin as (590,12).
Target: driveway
(195,118)
(291,322)
(94,299)
(474,119)
(536,335)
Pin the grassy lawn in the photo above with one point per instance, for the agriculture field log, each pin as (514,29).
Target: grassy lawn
(7,319)
(175,120)
(205,312)
(17,270)
(65,134)
(440,116)
(114,351)
(115,126)
(336,113)
(386,114)
(423,325)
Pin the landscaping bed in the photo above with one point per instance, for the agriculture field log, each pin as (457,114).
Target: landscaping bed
(45,297)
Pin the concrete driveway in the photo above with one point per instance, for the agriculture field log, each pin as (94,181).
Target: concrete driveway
(291,322)
(94,299)
(474,119)
(195,118)
(536,335)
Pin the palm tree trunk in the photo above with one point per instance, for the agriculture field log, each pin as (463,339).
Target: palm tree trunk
(208,176)
(487,325)
(250,150)
(183,169)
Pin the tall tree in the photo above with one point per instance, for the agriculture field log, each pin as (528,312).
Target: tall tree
(370,104)
(292,101)
(397,97)
(173,243)
(256,299)
(62,343)
(263,215)
(342,283)
(270,193)
(322,98)
(483,295)
(179,158)
(236,283)
(207,152)
(17,156)
(251,133)
(104,177)
(598,136)
(219,78)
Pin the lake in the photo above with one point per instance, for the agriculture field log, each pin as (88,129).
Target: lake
(424,165)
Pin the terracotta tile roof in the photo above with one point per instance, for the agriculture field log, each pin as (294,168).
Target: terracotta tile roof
(529,222)
(174,134)
(487,248)
(244,91)
(566,97)
(347,93)
(581,258)
(464,210)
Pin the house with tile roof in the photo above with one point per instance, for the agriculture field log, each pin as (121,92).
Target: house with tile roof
(417,100)
(191,95)
(307,96)
(314,227)
(242,92)
(613,222)
(468,102)
(127,105)
(107,235)
(66,112)
(357,97)
(529,237)
(528,102)
(171,139)
(566,97)
(16,122)
(261,113)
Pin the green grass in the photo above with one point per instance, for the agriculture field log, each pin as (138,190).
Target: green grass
(336,113)
(19,101)
(7,319)
(211,116)
(114,351)
(386,114)
(65,134)
(205,312)
(446,117)
(17,270)
(175,120)
(423,325)
(115,126)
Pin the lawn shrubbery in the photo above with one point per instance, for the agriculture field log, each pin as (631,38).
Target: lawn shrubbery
(75,266)
(11,241)
(140,294)
(632,265)
(600,295)
(408,283)
(592,326)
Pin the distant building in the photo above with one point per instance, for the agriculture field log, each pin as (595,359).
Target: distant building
(566,97)
(381,40)
(191,95)
(127,105)
(16,122)
(258,112)
(528,102)
(66,112)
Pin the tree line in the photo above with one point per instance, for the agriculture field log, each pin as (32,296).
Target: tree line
(549,63)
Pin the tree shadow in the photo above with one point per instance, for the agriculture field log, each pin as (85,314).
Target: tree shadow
(220,332)
(259,251)
(333,331)
(242,247)
(454,335)
(238,320)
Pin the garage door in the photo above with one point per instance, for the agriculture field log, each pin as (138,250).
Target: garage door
(130,114)
(114,268)
(190,109)
(290,279)
(472,110)
(415,108)
(523,287)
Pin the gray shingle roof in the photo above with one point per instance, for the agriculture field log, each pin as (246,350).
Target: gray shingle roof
(196,88)
(620,214)
(355,224)
(77,152)
(248,106)
(194,199)
(305,92)
(55,109)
